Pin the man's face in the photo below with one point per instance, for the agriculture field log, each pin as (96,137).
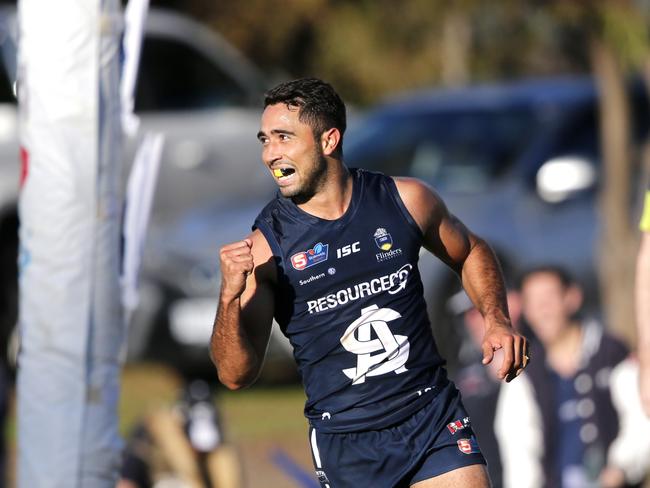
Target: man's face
(291,153)
(548,305)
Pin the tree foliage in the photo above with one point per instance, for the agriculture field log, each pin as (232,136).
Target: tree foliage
(369,48)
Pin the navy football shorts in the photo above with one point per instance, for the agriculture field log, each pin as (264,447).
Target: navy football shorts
(436,439)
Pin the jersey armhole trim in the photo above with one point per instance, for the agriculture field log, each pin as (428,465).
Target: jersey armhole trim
(399,203)
(268,234)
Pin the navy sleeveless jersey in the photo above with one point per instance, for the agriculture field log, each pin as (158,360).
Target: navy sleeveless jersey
(350,301)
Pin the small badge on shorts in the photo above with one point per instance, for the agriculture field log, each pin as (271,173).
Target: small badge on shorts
(322,477)
(467,446)
(457,425)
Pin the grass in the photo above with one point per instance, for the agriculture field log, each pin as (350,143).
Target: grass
(257,421)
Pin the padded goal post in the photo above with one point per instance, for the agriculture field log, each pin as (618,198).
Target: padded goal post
(70,317)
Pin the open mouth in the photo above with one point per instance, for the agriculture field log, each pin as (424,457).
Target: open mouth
(281,173)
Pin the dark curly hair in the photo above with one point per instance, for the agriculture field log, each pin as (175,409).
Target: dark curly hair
(319,105)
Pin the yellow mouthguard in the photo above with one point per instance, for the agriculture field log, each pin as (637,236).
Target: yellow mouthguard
(277,172)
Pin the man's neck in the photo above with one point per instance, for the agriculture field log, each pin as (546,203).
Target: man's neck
(564,354)
(333,197)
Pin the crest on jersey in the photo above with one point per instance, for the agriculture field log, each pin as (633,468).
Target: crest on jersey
(383,239)
(305,259)
(378,350)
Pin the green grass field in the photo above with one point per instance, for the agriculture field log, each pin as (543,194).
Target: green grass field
(257,421)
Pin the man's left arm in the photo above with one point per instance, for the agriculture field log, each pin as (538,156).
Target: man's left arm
(477,266)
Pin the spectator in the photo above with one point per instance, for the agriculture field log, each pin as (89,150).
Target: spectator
(479,384)
(184,443)
(575,419)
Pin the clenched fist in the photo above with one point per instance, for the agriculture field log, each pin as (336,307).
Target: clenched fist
(236,265)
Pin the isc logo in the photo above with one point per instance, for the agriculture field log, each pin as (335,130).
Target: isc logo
(347,250)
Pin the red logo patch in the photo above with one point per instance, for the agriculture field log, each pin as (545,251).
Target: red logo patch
(299,260)
(455,426)
(465,446)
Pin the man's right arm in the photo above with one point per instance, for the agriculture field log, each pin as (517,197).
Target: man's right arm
(242,327)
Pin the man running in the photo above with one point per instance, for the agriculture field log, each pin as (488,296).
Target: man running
(333,258)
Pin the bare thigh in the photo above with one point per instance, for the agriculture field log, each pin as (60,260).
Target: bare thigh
(474,476)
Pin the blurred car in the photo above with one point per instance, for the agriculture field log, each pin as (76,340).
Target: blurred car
(180,289)
(194,88)
(518,163)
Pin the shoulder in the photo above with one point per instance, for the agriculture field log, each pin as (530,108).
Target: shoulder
(613,347)
(268,211)
(422,201)
(260,246)
(262,256)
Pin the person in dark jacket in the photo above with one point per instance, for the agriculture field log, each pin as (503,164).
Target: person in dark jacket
(575,419)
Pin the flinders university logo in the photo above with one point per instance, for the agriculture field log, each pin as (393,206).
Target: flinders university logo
(383,239)
(382,354)
(384,242)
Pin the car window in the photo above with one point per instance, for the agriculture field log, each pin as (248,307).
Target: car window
(457,151)
(580,136)
(579,132)
(175,76)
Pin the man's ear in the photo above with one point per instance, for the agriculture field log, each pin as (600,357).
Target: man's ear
(330,140)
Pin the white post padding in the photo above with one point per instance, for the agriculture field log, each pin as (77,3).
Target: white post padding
(70,316)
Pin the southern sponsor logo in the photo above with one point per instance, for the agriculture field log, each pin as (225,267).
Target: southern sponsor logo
(391,283)
(311,278)
(305,259)
(383,239)
(457,425)
(467,446)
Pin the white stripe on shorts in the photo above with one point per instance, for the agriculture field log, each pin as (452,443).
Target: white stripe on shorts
(314,448)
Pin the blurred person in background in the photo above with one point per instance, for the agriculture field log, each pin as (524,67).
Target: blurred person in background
(574,420)
(478,384)
(181,446)
(334,259)
(643,305)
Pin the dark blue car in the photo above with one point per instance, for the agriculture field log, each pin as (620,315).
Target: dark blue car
(518,163)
